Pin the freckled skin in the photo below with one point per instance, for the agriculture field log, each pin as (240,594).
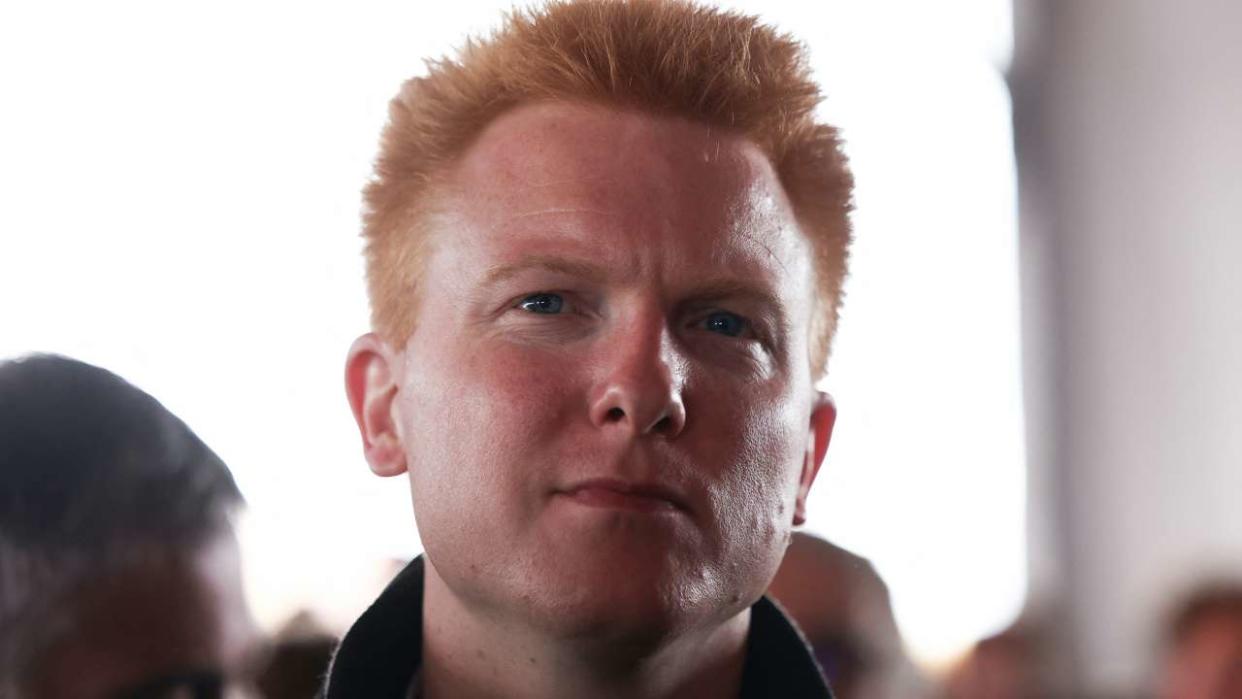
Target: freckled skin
(646,229)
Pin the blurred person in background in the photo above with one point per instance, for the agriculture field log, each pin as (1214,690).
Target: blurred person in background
(605,249)
(298,659)
(842,605)
(119,570)
(1203,645)
(1015,663)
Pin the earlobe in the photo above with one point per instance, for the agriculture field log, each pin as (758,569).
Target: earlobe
(823,419)
(371,385)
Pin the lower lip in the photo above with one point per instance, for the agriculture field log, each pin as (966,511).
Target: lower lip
(616,500)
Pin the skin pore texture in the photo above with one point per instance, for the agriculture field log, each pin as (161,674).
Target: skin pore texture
(171,615)
(606,409)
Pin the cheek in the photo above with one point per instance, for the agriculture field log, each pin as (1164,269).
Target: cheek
(480,413)
(757,492)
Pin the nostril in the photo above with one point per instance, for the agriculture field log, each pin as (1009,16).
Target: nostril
(663,425)
(615,414)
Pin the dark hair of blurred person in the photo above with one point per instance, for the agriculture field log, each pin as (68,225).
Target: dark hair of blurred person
(298,659)
(842,606)
(119,570)
(1203,637)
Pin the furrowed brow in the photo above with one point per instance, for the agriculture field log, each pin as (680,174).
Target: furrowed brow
(729,289)
(546,263)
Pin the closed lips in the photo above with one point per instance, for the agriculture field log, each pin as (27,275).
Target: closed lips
(615,493)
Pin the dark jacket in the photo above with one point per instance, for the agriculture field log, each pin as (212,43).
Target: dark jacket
(380,655)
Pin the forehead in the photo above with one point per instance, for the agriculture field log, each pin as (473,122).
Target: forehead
(592,175)
(535,139)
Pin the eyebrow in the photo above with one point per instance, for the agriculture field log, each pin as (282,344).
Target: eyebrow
(730,289)
(547,263)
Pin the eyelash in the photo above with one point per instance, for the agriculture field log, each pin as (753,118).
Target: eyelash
(746,330)
(541,295)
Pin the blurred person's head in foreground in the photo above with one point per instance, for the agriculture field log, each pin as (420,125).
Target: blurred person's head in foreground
(1203,645)
(605,248)
(119,570)
(842,605)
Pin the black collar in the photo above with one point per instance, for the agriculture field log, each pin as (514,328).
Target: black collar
(383,649)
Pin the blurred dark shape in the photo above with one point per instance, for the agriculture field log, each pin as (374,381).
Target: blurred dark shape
(842,605)
(298,660)
(998,667)
(1017,663)
(1203,645)
(119,569)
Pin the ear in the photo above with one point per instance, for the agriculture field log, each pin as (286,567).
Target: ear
(371,372)
(823,418)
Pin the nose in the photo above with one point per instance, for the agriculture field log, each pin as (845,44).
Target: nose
(640,387)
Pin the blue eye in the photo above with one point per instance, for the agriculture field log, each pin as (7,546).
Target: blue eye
(542,303)
(726,323)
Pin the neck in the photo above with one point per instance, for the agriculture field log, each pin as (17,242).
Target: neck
(472,655)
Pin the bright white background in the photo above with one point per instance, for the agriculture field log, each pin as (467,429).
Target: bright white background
(179,196)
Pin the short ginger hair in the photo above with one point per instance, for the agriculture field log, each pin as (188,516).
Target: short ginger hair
(663,57)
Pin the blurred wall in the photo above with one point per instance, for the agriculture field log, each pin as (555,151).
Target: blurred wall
(1128,117)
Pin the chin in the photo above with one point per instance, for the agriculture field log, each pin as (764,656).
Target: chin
(628,601)
(611,617)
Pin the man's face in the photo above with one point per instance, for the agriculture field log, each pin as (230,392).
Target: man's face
(606,407)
